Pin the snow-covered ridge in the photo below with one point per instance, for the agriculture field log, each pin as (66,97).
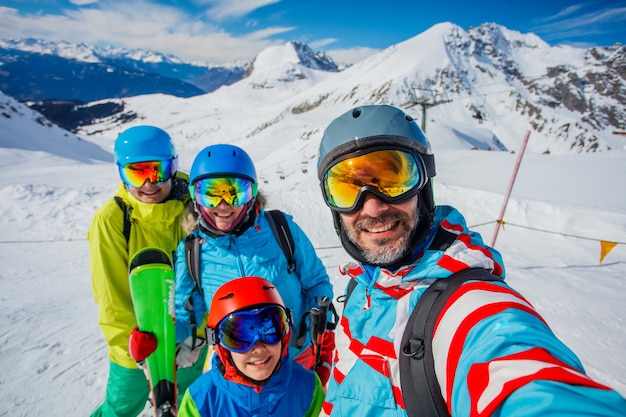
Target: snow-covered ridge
(86,53)
(484,82)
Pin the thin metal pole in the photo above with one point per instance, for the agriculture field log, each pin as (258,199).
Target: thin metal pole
(508,191)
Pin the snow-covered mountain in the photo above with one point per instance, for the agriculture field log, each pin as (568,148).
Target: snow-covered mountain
(481,88)
(36,69)
(281,65)
(574,98)
(286,62)
(488,82)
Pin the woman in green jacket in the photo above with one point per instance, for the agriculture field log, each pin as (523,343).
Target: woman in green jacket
(153,195)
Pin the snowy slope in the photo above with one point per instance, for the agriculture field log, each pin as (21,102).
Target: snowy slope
(51,351)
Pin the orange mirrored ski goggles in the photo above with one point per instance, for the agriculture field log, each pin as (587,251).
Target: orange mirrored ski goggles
(393,175)
(137,173)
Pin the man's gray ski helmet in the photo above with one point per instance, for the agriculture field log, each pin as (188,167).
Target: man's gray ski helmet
(377,126)
(368,126)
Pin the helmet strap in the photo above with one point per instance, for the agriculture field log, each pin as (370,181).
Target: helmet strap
(230,371)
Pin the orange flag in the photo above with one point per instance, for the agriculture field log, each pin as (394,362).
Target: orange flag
(605,248)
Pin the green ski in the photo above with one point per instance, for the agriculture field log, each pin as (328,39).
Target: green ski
(152,290)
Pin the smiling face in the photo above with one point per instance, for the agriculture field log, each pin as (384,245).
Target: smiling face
(224,216)
(259,362)
(151,193)
(382,230)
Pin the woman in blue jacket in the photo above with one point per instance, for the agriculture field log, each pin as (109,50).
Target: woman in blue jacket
(252,372)
(237,240)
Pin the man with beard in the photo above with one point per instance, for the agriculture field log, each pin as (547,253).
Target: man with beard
(493,354)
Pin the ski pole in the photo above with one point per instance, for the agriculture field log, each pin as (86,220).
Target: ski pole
(319,319)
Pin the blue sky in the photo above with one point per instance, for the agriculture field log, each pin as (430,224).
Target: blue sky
(222,31)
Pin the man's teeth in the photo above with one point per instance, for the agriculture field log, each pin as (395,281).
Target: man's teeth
(381,229)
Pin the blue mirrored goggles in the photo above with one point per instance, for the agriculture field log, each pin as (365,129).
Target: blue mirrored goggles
(235,191)
(239,331)
(393,175)
(137,173)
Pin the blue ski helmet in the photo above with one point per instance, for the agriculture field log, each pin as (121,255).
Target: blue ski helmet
(144,143)
(222,161)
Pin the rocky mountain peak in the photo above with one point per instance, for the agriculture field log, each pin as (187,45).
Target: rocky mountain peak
(287,58)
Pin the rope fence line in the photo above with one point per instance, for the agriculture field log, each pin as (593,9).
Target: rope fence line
(43,241)
(501,222)
(329,247)
(535,229)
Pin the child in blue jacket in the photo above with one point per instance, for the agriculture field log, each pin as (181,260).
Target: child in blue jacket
(252,373)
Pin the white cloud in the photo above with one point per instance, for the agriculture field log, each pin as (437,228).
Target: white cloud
(321,43)
(568,23)
(158,27)
(565,12)
(228,9)
(83,2)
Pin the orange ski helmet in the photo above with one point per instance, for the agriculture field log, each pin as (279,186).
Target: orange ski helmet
(241,294)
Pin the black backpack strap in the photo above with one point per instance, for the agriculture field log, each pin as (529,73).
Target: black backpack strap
(282,233)
(418,381)
(126,211)
(278,223)
(442,240)
(192,259)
